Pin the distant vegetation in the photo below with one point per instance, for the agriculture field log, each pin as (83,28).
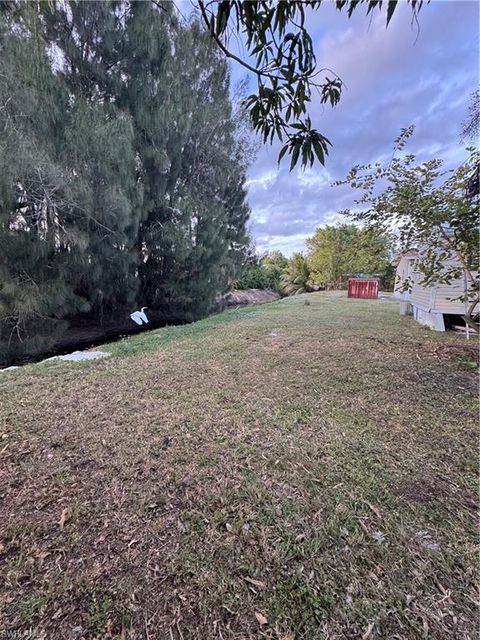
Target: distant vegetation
(263,273)
(334,253)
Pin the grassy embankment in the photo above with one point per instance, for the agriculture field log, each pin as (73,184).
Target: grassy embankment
(288,471)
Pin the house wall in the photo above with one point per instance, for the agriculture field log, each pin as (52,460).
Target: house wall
(428,304)
(430,319)
(403,272)
(440,298)
(420,295)
(444,294)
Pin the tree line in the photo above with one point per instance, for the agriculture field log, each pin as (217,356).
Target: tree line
(334,253)
(122,168)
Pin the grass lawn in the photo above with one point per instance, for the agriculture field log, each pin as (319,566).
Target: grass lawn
(289,471)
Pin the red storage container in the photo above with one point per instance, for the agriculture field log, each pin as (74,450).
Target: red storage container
(363,288)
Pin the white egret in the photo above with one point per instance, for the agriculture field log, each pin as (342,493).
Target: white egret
(139,316)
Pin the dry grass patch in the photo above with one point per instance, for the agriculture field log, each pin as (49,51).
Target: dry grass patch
(284,472)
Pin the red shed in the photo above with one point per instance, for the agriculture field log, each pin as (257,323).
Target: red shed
(363,288)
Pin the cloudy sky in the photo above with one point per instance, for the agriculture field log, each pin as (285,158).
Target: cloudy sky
(394,77)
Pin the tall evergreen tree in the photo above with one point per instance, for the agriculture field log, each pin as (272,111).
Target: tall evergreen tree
(37,271)
(159,106)
(123,178)
(211,184)
(99,148)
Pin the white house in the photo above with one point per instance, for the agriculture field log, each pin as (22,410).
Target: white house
(427,303)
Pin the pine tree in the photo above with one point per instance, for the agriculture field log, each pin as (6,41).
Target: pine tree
(151,94)
(123,173)
(210,190)
(37,275)
(98,148)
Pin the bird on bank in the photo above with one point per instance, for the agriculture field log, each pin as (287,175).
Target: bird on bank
(139,316)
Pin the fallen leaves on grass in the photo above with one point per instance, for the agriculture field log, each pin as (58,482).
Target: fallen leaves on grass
(257,583)
(65,515)
(262,620)
(213,488)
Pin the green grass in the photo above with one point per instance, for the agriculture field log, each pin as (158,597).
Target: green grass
(315,465)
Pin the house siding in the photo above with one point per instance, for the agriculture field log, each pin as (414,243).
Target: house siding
(428,304)
(445,295)
(404,269)
(420,295)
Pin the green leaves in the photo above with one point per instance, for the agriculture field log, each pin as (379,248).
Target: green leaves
(285,65)
(223,14)
(331,91)
(392,5)
(308,144)
(346,249)
(295,152)
(295,279)
(371,5)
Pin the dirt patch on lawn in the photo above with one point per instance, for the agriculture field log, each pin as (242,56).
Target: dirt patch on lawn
(467,353)
(422,490)
(434,491)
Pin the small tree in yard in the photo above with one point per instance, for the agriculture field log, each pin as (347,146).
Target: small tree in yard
(428,208)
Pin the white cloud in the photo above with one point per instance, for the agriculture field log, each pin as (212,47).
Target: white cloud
(263,181)
(286,244)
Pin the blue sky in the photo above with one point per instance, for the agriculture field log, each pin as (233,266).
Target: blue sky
(394,77)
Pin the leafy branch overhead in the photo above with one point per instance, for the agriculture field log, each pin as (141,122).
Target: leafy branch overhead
(280,53)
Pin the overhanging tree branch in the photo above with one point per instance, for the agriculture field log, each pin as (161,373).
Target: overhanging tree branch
(285,66)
